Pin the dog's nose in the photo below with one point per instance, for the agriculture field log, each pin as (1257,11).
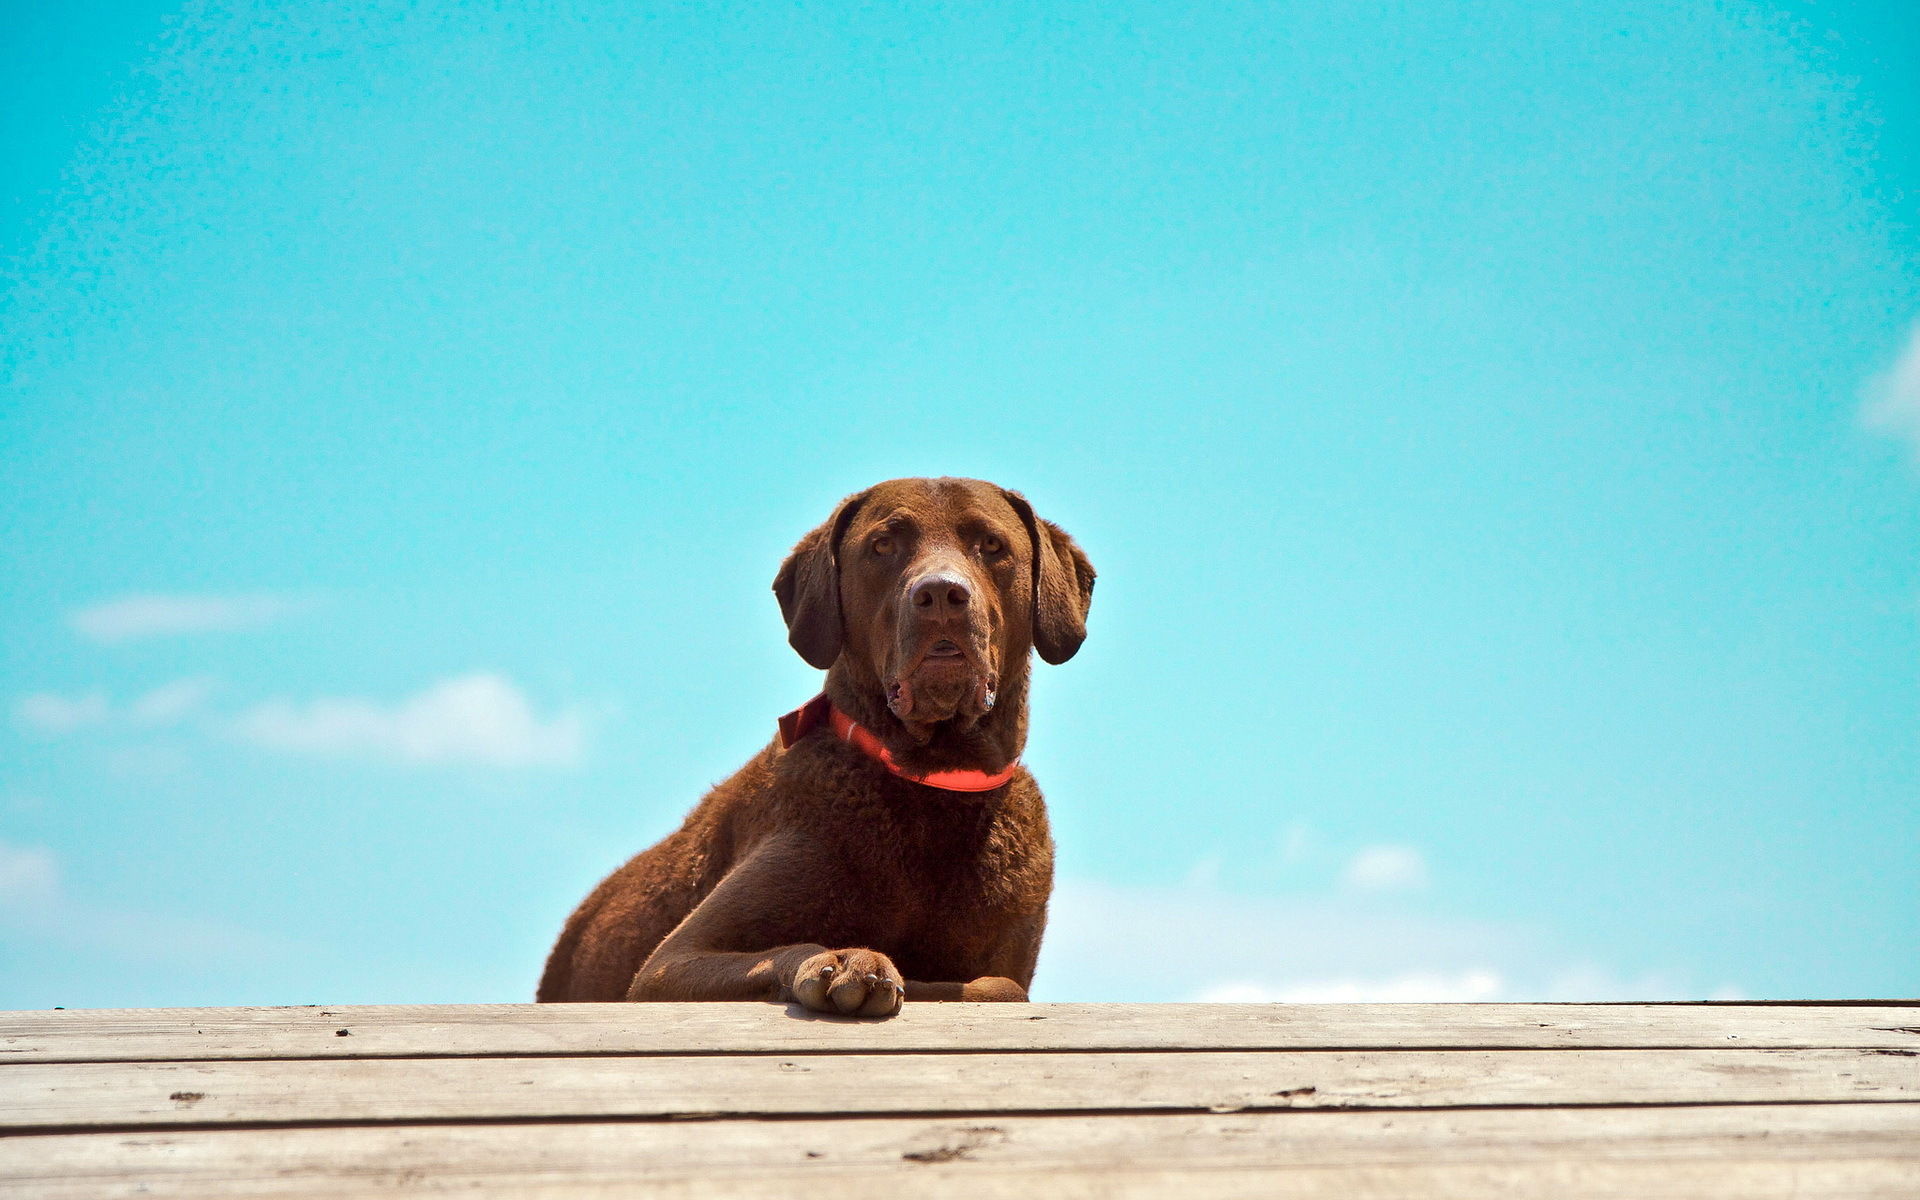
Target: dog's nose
(938,592)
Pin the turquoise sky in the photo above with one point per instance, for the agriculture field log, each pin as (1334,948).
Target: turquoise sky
(1495,426)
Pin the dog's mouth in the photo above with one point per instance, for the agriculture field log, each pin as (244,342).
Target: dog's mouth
(947,679)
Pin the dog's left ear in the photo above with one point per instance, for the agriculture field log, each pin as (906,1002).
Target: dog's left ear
(808,588)
(1062,585)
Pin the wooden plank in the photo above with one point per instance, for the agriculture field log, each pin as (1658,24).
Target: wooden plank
(498,1029)
(41,1095)
(1832,1152)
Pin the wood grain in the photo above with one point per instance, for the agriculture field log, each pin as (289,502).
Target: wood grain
(42,1095)
(506,1029)
(981,1101)
(1846,1152)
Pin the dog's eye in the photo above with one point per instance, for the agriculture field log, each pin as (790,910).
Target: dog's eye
(883,545)
(992,545)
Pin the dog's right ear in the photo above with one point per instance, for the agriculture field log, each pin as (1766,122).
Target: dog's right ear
(808,588)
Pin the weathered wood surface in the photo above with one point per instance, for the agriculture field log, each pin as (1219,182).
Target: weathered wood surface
(1820,1151)
(1365,1101)
(409,1031)
(307,1091)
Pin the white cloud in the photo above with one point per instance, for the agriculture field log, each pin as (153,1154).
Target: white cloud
(479,718)
(1106,942)
(1386,869)
(1297,845)
(1205,875)
(49,713)
(34,906)
(132,617)
(168,704)
(171,703)
(1893,397)
(28,877)
(1419,987)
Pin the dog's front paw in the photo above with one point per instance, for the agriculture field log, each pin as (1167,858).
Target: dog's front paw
(854,983)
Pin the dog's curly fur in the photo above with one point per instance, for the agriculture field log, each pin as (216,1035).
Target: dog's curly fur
(814,874)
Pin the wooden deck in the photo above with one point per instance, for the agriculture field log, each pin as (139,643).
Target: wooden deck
(1043,1100)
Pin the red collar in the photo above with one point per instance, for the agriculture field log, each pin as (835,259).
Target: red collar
(811,715)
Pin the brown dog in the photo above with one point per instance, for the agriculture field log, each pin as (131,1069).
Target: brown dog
(888,845)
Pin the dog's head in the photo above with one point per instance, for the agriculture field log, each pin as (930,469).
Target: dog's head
(933,591)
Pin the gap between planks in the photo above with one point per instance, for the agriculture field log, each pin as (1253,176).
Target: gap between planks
(936,1114)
